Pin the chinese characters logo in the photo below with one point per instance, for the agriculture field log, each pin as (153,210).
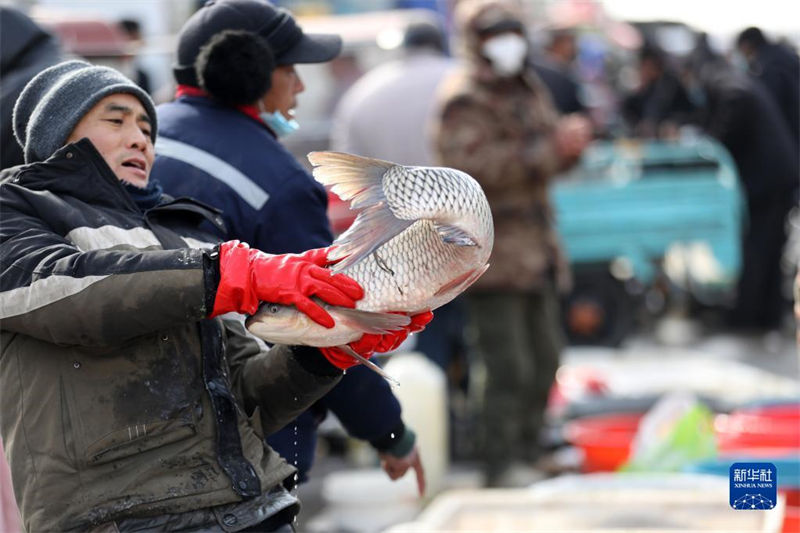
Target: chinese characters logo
(753,486)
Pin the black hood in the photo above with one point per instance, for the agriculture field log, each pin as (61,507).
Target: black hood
(18,36)
(77,170)
(25,50)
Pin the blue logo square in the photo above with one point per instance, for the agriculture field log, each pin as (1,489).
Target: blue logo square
(754,486)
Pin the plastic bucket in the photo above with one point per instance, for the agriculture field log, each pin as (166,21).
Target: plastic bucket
(773,426)
(604,439)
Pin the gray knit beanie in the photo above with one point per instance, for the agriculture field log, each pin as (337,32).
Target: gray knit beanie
(53,102)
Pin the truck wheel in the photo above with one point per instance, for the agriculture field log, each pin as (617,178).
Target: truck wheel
(598,310)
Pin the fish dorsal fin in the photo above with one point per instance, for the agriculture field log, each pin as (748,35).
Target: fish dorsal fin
(359,180)
(369,321)
(455,235)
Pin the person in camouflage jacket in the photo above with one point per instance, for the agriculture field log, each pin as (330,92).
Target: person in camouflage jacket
(497,122)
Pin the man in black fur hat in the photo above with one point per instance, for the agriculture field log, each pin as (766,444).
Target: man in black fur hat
(219,143)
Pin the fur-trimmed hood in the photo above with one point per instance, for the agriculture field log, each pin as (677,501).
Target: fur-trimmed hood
(474,16)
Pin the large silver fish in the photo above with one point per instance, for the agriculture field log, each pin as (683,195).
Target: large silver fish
(421,237)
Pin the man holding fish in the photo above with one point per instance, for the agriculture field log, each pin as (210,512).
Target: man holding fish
(131,400)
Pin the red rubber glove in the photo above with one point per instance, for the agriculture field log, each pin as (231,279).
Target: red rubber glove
(370,343)
(248,276)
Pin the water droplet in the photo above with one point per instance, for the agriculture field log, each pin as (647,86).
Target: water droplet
(295,443)
(295,398)
(344,372)
(392,435)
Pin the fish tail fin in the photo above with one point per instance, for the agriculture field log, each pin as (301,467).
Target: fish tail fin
(359,180)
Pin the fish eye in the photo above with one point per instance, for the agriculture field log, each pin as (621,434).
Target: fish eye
(273,309)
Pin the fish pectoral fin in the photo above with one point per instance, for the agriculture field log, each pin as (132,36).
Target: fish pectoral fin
(374,226)
(370,321)
(369,364)
(462,282)
(455,235)
(359,180)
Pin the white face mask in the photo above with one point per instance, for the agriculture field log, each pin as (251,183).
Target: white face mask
(507,53)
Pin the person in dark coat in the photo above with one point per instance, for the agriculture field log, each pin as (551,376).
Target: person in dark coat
(25,50)
(738,111)
(220,143)
(778,68)
(660,103)
(555,69)
(133,33)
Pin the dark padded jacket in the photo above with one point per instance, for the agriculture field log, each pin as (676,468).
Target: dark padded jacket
(778,68)
(26,49)
(742,115)
(232,161)
(119,398)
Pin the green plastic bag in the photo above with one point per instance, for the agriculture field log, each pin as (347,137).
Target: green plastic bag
(676,432)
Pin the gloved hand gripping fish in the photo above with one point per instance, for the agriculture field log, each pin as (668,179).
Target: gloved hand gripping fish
(421,237)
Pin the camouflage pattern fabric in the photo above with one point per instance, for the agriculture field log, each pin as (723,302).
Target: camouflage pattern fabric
(500,131)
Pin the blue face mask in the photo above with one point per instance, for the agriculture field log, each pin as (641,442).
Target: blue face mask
(278,123)
(740,62)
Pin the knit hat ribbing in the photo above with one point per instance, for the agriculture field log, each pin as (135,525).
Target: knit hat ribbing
(56,99)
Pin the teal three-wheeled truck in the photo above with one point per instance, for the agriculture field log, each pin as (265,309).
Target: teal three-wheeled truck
(640,219)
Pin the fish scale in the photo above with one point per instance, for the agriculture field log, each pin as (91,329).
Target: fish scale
(396,285)
(422,236)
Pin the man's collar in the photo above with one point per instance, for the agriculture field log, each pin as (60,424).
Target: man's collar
(188,90)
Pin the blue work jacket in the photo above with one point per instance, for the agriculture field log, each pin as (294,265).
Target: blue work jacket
(232,161)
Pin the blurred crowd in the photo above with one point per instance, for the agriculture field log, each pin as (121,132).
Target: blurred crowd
(489,90)
(745,98)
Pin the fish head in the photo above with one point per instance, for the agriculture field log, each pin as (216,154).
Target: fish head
(281,324)
(462,204)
